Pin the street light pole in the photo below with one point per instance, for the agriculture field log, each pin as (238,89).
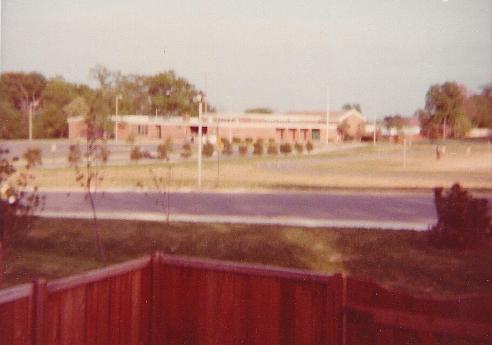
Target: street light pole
(118,97)
(30,121)
(327,113)
(199,98)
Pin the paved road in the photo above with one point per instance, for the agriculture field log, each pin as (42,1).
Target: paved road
(411,211)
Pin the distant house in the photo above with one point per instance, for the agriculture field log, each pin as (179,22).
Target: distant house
(480,133)
(282,127)
(410,129)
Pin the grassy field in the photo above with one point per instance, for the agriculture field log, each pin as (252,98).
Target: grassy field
(373,167)
(56,248)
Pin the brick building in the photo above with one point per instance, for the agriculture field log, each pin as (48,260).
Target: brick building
(288,127)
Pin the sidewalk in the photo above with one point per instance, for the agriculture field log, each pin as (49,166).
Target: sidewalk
(259,220)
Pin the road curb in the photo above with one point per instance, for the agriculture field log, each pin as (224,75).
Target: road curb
(252,220)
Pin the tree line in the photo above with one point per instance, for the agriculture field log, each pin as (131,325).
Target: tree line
(449,112)
(53,100)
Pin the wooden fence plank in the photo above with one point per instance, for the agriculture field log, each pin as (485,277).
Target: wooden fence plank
(7,322)
(40,305)
(177,300)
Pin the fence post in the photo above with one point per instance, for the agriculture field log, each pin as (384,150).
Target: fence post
(1,258)
(39,303)
(154,298)
(344,309)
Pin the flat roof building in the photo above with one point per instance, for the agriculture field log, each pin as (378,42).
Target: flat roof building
(282,127)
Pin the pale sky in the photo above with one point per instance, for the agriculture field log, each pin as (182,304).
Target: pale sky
(383,54)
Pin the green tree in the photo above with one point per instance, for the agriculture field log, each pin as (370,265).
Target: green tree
(12,123)
(444,104)
(348,106)
(479,108)
(171,94)
(77,107)
(20,91)
(33,157)
(89,173)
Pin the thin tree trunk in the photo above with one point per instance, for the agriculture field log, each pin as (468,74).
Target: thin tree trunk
(444,129)
(101,255)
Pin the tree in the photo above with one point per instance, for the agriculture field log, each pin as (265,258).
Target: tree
(12,123)
(355,106)
(186,150)
(286,148)
(102,75)
(227,147)
(171,94)
(260,110)
(299,147)
(428,128)
(89,171)
(33,157)
(77,107)
(272,148)
(162,151)
(479,108)
(309,147)
(208,149)
(258,147)
(22,91)
(17,203)
(51,123)
(444,104)
(136,154)
(343,130)
(463,221)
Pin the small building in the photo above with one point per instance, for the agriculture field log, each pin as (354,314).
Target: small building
(288,127)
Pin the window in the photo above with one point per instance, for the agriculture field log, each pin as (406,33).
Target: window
(315,134)
(142,129)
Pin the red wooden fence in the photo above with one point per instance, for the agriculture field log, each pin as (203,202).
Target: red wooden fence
(175,300)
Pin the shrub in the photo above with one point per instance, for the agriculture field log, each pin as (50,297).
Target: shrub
(136,154)
(162,151)
(32,157)
(272,148)
(286,148)
(208,149)
(169,144)
(227,150)
(186,150)
(258,147)
(243,149)
(309,147)
(299,147)
(74,155)
(463,221)
(130,139)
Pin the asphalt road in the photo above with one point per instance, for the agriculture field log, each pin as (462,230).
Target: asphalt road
(359,208)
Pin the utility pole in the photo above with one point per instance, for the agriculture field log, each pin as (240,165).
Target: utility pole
(30,120)
(404,153)
(199,98)
(327,113)
(374,133)
(490,154)
(118,97)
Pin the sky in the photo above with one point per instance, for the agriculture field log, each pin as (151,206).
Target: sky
(286,55)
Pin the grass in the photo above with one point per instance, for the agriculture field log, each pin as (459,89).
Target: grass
(398,259)
(372,167)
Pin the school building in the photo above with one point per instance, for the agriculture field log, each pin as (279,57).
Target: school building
(287,127)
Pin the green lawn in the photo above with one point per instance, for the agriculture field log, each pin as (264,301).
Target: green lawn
(372,167)
(400,259)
